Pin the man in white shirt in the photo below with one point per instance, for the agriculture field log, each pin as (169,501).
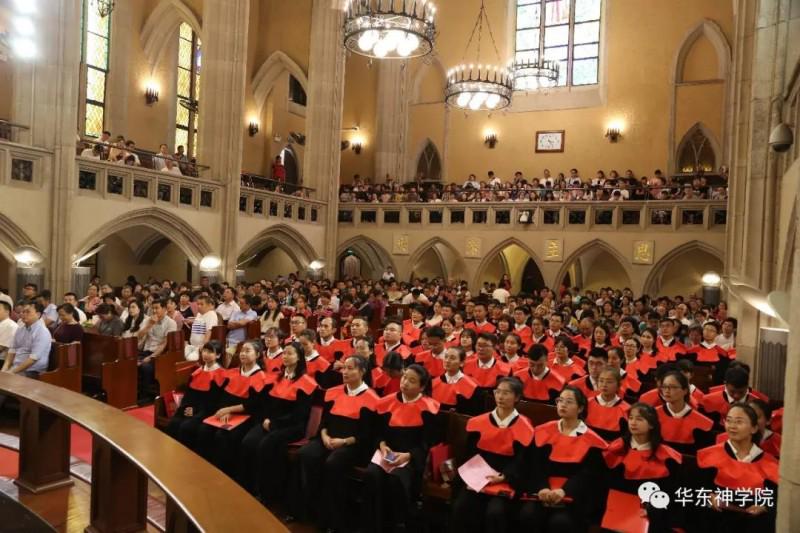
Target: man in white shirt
(473,182)
(501,295)
(171,168)
(228,305)
(202,325)
(388,275)
(7,329)
(727,338)
(161,158)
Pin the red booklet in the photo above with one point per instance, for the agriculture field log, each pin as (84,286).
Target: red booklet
(233,421)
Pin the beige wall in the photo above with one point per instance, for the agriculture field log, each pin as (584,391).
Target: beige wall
(361,85)
(275,263)
(638,93)
(683,275)
(116,262)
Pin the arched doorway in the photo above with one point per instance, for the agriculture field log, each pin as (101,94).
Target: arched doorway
(277,251)
(350,265)
(372,258)
(681,270)
(141,252)
(514,259)
(697,151)
(593,266)
(429,164)
(437,258)
(531,277)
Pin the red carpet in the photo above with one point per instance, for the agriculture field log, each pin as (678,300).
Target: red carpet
(9,461)
(81,440)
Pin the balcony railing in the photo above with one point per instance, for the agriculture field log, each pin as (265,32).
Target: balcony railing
(662,215)
(24,166)
(262,203)
(113,181)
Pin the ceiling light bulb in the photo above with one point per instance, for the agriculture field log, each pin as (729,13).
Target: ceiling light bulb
(477,101)
(367,40)
(23,48)
(463,99)
(412,41)
(381,48)
(492,101)
(24,26)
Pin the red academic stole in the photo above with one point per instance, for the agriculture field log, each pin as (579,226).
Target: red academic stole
(201,380)
(286,389)
(327,352)
(708,355)
(448,393)
(734,474)
(383,381)
(406,415)
(411,333)
(272,364)
(317,365)
(486,377)
(539,389)
(606,417)
(348,406)
(380,352)
(584,383)
(568,372)
(641,464)
(681,430)
(239,385)
(584,344)
(494,439)
(669,352)
(486,327)
(432,364)
(566,449)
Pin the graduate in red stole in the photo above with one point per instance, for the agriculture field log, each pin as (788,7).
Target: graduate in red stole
(737,466)
(486,369)
(202,391)
(272,361)
(597,361)
(280,418)
(386,378)
(682,427)
(709,353)
(433,357)
(629,386)
(565,472)
(564,362)
(344,441)
(606,411)
(454,390)
(637,457)
(405,430)
(540,384)
(502,438)
(512,352)
(716,404)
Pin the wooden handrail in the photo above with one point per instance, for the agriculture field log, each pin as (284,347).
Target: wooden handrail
(125,453)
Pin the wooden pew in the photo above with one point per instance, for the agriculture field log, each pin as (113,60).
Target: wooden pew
(166,363)
(183,370)
(703,377)
(537,413)
(111,363)
(64,366)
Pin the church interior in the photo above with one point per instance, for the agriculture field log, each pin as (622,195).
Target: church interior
(399,265)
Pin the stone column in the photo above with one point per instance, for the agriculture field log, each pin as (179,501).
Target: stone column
(46,99)
(222,85)
(322,159)
(119,70)
(392,121)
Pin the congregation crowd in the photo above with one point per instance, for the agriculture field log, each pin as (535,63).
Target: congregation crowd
(545,188)
(382,368)
(124,152)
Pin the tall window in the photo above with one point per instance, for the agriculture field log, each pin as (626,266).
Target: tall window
(188,90)
(567,31)
(94,58)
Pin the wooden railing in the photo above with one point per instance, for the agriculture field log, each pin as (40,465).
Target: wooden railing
(113,181)
(658,215)
(125,454)
(267,204)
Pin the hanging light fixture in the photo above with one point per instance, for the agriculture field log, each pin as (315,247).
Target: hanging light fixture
(477,86)
(374,28)
(103,7)
(530,75)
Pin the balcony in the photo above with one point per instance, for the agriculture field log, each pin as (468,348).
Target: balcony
(265,204)
(657,215)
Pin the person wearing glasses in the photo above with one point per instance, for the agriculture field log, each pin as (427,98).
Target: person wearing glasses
(297,325)
(501,438)
(566,469)
(392,342)
(486,369)
(569,368)
(740,467)
(271,362)
(682,427)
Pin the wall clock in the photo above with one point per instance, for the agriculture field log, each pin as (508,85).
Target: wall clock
(550,141)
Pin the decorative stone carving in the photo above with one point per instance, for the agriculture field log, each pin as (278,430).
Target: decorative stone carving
(400,244)
(554,250)
(643,252)
(472,247)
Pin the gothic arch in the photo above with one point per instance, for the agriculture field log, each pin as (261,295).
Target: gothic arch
(161,27)
(276,65)
(423,146)
(167,224)
(489,256)
(287,239)
(374,258)
(449,272)
(687,138)
(593,244)
(713,33)
(423,70)
(657,271)
(12,237)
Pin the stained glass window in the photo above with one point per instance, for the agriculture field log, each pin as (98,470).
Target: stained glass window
(566,31)
(187,89)
(94,54)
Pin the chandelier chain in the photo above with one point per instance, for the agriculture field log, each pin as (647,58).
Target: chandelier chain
(479,27)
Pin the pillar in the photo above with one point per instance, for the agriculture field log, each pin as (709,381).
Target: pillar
(123,34)
(392,120)
(46,100)
(322,160)
(225,26)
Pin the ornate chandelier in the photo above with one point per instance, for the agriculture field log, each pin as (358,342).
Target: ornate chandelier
(104,7)
(530,75)
(373,28)
(486,87)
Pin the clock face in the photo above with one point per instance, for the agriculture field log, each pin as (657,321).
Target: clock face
(549,141)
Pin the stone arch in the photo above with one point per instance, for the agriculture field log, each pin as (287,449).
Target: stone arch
(374,257)
(12,237)
(589,246)
(688,137)
(276,65)
(423,147)
(287,239)
(161,26)
(498,249)
(149,249)
(653,279)
(420,75)
(167,224)
(711,30)
(449,272)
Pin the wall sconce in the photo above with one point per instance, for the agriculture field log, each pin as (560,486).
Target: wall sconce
(614,131)
(490,139)
(151,94)
(357,145)
(252,129)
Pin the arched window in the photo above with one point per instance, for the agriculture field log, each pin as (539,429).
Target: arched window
(429,166)
(95,41)
(187,90)
(567,31)
(696,152)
